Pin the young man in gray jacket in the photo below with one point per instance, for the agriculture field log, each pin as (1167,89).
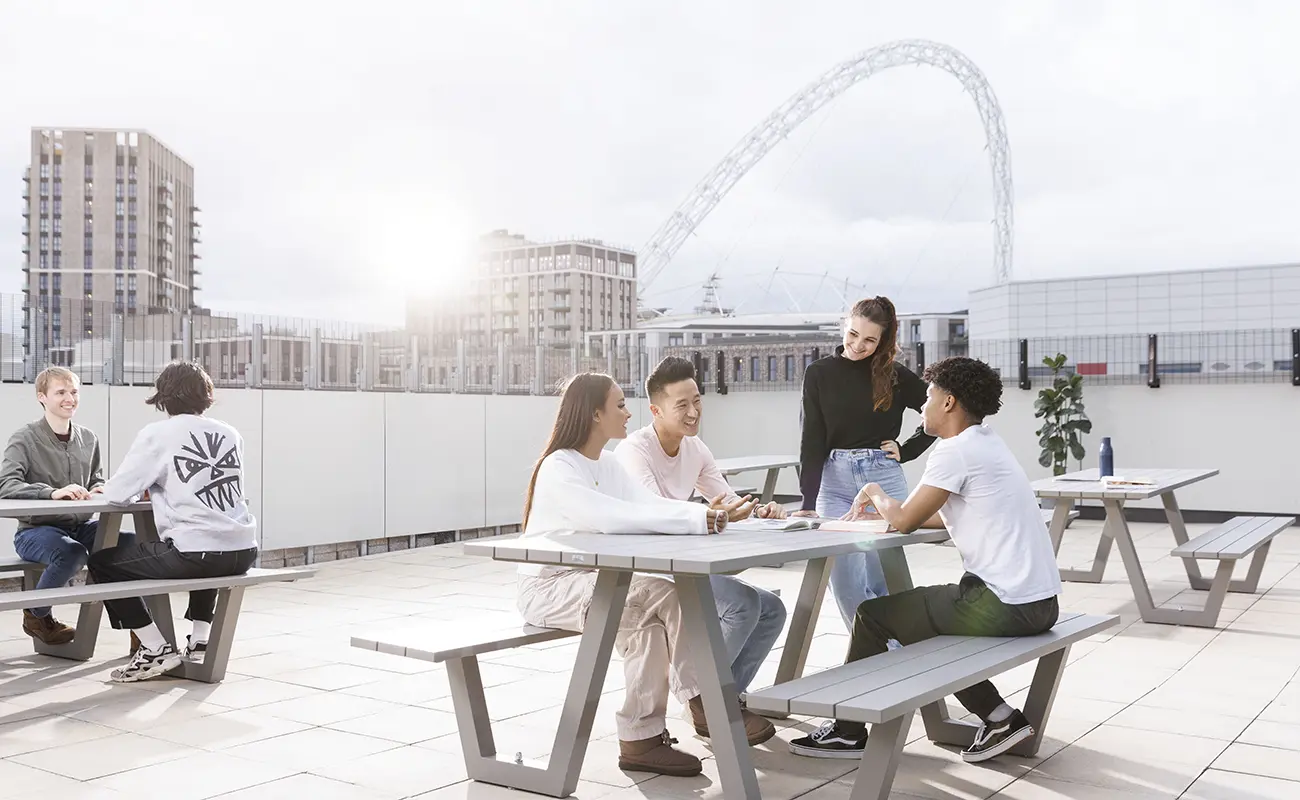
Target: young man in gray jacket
(53,458)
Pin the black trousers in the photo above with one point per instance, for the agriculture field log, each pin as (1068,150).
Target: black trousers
(968,608)
(161,560)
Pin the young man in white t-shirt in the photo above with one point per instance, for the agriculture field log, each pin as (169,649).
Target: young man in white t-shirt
(974,487)
(668,458)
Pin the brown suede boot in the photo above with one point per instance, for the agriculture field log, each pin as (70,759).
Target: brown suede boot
(47,628)
(757,729)
(657,755)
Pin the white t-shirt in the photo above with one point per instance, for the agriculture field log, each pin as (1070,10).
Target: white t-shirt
(993,517)
(575,493)
(692,469)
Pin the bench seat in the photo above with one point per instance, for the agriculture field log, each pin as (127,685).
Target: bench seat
(886,690)
(1234,539)
(230,592)
(461,645)
(1227,543)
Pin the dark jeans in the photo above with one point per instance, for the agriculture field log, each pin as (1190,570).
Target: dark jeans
(63,552)
(966,609)
(161,560)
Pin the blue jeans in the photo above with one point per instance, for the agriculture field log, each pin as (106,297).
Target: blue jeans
(859,577)
(62,552)
(752,619)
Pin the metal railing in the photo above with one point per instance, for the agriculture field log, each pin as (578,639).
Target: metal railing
(104,344)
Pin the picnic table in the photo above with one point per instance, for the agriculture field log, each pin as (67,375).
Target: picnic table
(1087,485)
(690,560)
(773,465)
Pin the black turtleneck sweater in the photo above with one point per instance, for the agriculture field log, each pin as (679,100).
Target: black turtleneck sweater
(838,414)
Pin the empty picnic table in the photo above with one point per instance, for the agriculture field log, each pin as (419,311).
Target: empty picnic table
(1087,485)
(690,560)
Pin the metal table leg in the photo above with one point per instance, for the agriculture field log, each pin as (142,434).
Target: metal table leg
(703,633)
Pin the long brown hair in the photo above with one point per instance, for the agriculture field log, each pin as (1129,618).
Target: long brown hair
(582,397)
(880,310)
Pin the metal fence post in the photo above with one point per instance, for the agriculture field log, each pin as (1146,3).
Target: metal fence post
(1295,356)
(187,337)
(458,385)
(255,358)
(1024,365)
(117,334)
(920,357)
(1153,361)
(414,376)
(539,370)
(499,385)
(312,378)
(573,361)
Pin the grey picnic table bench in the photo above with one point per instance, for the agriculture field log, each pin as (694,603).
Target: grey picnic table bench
(1227,543)
(91,597)
(690,560)
(887,690)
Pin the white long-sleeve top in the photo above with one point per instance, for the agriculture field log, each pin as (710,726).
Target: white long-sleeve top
(193,467)
(575,493)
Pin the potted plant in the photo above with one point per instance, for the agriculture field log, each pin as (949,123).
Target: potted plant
(1060,407)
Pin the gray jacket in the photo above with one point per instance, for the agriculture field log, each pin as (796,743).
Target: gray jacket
(36,463)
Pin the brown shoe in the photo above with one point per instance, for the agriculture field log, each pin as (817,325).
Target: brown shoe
(757,729)
(48,629)
(657,755)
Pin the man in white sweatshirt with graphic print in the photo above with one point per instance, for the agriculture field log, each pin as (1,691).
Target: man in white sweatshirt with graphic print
(193,469)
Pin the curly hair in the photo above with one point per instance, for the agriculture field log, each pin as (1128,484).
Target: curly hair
(183,387)
(972,382)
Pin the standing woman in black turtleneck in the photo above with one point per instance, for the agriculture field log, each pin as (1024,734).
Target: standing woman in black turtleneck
(853,406)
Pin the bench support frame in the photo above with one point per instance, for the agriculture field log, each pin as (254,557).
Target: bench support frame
(211,669)
(558,776)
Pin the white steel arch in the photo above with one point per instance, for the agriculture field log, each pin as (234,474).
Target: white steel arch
(661,248)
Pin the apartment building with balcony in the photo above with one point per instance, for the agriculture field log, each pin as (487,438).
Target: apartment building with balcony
(110,228)
(523,293)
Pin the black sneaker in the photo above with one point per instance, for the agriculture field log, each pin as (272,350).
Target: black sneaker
(830,741)
(996,738)
(146,664)
(194,651)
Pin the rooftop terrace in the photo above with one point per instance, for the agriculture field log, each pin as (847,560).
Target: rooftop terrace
(1144,711)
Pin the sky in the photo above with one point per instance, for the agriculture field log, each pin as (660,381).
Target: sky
(346,155)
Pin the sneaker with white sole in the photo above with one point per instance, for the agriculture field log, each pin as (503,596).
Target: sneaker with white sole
(995,738)
(146,664)
(830,741)
(194,651)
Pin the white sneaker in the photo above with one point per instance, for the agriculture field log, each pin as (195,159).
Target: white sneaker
(146,664)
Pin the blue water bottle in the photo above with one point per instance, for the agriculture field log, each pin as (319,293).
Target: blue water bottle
(1106,458)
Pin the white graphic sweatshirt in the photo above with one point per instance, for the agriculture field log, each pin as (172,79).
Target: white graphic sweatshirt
(193,468)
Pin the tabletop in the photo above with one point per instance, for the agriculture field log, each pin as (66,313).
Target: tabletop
(1086,484)
(693,555)
(731,466)
(10,509)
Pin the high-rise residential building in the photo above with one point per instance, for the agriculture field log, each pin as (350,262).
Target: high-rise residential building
(110,229)
(532,293)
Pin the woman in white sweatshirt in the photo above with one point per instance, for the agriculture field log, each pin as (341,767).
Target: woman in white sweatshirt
(577,485)
(193,469)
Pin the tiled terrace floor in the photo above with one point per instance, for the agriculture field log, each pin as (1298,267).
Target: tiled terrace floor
(1144,711)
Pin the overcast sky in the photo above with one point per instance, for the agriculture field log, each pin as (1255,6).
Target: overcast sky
(343,157)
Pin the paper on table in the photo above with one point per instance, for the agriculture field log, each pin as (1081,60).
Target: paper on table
(861,526)
(1115,480)
(758,524)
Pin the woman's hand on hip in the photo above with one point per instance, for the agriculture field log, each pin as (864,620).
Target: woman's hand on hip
(890,449)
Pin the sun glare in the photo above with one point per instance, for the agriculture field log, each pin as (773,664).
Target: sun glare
(425,252)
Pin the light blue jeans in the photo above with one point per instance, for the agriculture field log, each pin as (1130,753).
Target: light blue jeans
(752,619)
(859,577)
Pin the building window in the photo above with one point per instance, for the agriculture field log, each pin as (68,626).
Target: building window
(58,207)
(789,368)
(58,188)
(753,368)
(88,282)
(45,188)
(90,261)
(58,242)
(131,207)
(90,169)
(120,207)
(117,261)
(119,226)
(130,189)
(58,261)
(131,262)
(90,243)
(45,262)
(771,368)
